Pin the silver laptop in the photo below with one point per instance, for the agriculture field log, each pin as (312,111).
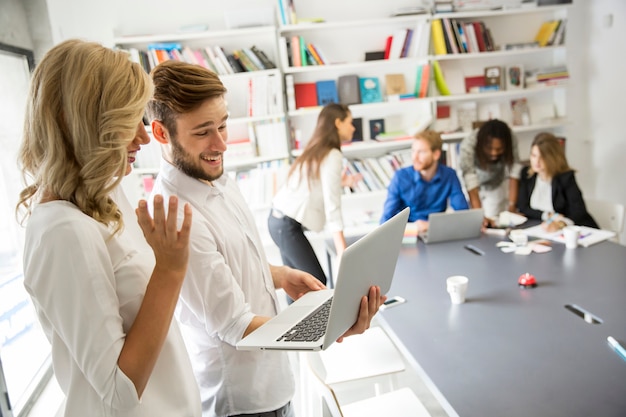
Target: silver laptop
(317,319)
(453,225)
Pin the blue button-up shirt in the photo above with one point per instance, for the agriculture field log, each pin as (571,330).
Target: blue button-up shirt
(408,189)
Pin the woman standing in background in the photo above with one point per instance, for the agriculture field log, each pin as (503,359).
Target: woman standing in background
(489,162)
(311,196)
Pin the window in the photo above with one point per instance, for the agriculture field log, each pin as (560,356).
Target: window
(24,350)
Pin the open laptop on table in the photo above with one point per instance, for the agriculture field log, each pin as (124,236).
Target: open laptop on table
(453,225)
(319,318)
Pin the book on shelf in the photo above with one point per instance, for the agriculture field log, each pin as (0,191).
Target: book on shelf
(253,58)
(370,90)
(559,37)
(449,36)
(267,63)
(546,32)
(357,122)
(460,34)
(326,92)
(290,92)
(472,42)
(348,89)
(235,63)
(377,126)
(407,44)
(284,52)
(467,114)
(444,122)
(395,84)
(424,78)
(514,76)
(221,57)
(520,112)
(473,82)
(397,43)
(294,47)
(304,61)
(479,32)
(374,55)
(440,80)
(374,166)
(519,45)
(306,95)
(439,42)
(271,138)
(493,76)
(240,149)
(312,50)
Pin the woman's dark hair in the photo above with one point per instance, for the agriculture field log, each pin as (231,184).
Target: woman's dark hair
(325,137)
(494,129)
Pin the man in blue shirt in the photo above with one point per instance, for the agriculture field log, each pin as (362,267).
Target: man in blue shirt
(426,186)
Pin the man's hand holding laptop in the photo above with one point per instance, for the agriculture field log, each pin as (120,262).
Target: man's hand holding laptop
(368,308)
(296,283)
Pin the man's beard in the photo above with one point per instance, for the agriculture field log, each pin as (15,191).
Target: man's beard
(183,161)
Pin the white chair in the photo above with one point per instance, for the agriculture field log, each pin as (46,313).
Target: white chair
(358,377)
(608,215)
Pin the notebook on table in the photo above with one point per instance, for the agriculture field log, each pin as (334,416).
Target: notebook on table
(453,225)
(319,318)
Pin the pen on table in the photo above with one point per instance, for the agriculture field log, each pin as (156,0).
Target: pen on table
(474,249)
(617,347)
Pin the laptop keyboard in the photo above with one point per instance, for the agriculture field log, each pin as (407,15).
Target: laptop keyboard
(311,328)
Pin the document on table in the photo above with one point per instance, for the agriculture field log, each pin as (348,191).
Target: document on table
(588,235)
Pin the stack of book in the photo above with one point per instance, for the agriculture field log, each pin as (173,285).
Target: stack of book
(545,77)
(453,36)
(214,58)
(551,33)
(301,53)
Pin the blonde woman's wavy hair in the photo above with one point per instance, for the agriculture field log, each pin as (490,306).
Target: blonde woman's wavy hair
(83,110)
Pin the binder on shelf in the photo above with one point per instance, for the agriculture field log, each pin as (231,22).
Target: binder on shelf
(326,92)
(370,90)
(306,95)
(439,42)
(348,89)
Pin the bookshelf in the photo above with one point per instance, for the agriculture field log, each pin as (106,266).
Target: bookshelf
(546,101)
(345,42)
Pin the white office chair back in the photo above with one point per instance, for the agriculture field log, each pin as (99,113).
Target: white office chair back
(608,215)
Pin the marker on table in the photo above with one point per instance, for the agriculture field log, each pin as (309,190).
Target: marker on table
(474,249)
(617,347)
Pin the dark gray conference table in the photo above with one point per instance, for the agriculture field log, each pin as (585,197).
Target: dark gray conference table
(510,351)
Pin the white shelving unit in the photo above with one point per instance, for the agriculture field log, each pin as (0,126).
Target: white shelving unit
(343,44)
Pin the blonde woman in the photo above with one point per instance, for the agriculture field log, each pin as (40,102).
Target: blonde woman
(104,297)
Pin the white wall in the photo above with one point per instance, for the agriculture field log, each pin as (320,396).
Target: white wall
(595,144)
(607,91)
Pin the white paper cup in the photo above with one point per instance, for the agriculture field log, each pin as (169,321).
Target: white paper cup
(571,235)
(518,237)
(457,288)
